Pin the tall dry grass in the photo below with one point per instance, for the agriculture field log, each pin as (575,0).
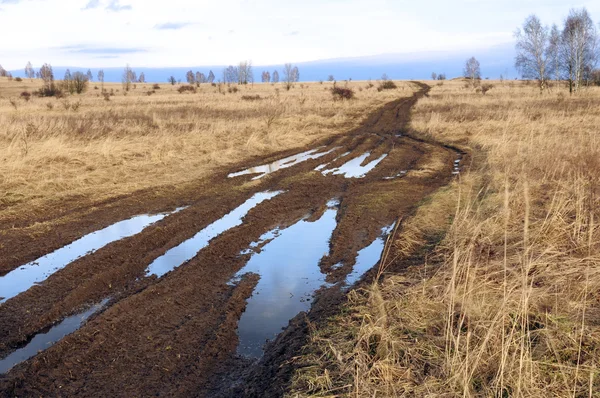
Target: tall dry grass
(87,148)
(505,301)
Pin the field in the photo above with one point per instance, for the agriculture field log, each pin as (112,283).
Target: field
(486,286)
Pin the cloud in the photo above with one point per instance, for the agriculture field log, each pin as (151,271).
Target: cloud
(92,4)
(9,1)
(172,25)
(103,51)
(116,6)
(294,33)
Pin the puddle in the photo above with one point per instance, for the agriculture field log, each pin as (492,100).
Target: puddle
(456,170)
(43,341)
(188,249)
(353,168)
(287,262)
(401,174)
(282,163)
(37,271)
(368,257)
(321,167)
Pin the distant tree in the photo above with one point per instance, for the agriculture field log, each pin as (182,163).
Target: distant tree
(384,77)
(290,76)
(230,74)
(266,77)
(472,70)
(172,80)
(553,53)
(89,75)
(47,75)
(441,76)
(142,78)
(245,73)
(67,84)
(79,82)
(532,50)
(101,79)
(29,72)
(578,49)
(275,77)
(2,71)
(211,77)
(127,78)
(434,76)
(190,77)
(330,78)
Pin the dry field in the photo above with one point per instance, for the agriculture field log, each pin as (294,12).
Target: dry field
(500,290)
(85,149)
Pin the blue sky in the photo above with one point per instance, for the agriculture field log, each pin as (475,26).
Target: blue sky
(105,33)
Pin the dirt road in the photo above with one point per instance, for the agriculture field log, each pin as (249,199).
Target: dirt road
(176,334)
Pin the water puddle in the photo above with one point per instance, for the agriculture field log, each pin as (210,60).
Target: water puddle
(368,257)
(401,174)
(321,167)
(287,262)
(43,341)
(187,250)
(37,271)
(456,170)
(353,168)
(282,163)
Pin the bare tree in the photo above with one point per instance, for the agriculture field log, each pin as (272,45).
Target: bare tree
(29,72)
(578,47)
(2,71)
(472,70)
(245,73)
(79,82)
(553,53)
(275,77)
(89,75)
(291,75)
(172,80)
(434,76)
(266,77)
(230,74)
(47,75)
(441,76)
(101,79)
(532,50)
(211,77)
(190,77)
(68,82)
(127,78)
(330,78)
(142,78)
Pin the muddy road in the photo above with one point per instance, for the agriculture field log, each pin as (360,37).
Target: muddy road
(174,291)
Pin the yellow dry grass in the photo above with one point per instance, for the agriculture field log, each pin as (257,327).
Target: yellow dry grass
(87,148)
(507,304)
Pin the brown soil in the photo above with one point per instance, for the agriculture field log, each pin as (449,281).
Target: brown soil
(177,336)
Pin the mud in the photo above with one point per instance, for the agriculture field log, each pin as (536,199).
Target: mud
(175,333)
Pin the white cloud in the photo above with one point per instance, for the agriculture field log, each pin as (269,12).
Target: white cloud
(192,32)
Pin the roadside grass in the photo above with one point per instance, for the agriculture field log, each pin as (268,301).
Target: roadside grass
(506,304)
(90,149)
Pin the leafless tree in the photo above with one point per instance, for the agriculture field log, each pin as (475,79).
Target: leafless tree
(330,78)
(89,75)
(142,78)
(441,76)
(47,75)
(127,78)
(190,77)
(553,53)
(433,76)
(2,71)
(275,77)
(101,79)
(245,73)
(67,84)
(532,50)
(266,77)
(291,75)
(230,74)
(79,82)
(211,77)
(29,72)
(172,80)
(578,47)
(472,70)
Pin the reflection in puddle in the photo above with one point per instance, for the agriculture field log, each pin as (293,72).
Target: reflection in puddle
(188,249)
(456,170)
(43,341)
(353,168)
(368,257)
(288,266)
(39,270)
(282,163)
(401,174)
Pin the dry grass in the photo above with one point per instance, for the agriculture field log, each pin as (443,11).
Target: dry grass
(507,304)
(85,147)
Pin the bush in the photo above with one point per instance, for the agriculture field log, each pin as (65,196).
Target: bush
(51,90)
(26,95)
(18,79)
(232,90)
(183,89)
(387,85)
(486,87)
(156,87)
(342,93)
(251,97)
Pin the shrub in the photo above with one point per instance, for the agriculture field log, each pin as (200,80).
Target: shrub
(51,90)
(183,89)
(26,95)
(486,87)
(251,97)
(342,93)
(232,90)
(106,96)
(156,87)
(18,79)
(50,106)
(387,85)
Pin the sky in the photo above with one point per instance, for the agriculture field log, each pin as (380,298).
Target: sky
(147,33)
